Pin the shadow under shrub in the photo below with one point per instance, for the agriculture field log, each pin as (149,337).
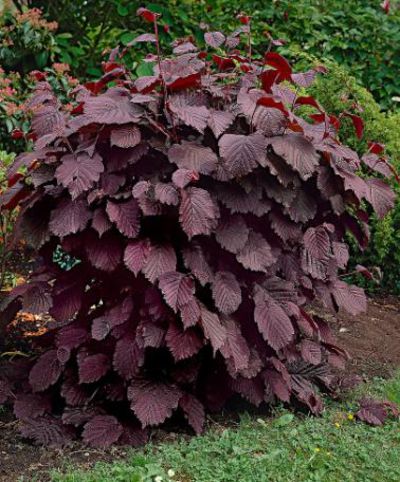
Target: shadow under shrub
(204,214)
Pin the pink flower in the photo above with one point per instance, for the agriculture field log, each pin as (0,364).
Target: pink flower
(61,68)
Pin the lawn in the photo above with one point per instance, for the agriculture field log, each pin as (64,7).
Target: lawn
(284,448)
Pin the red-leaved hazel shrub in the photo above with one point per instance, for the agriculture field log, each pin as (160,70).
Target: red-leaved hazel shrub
(205,214)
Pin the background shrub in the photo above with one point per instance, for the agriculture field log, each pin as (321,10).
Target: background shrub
(359,35)
(26,40)
(204,213)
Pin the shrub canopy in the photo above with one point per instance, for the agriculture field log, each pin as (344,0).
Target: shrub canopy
(204,214)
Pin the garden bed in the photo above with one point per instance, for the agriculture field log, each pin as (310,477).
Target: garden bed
(373,340)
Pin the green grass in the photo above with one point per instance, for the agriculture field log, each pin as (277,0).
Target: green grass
(286,448)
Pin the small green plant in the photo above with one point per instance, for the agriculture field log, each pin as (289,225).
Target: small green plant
(26,40)
(7,219)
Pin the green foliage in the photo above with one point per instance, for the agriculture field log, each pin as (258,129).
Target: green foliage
(26,40)
(282,449)
(15,90)
(7,219)
(359,35)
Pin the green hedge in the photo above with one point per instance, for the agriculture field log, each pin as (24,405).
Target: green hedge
(354,33)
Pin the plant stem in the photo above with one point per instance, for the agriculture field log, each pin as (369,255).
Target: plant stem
(249,38)
(159,57)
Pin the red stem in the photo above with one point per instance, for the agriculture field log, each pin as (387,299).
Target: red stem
(159,58)
(250,53)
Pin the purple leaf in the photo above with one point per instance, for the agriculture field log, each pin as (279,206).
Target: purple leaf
(153,402)
(242,153)
(166,193)
(105,109)
(194,412)
(45,372)
(46,430)
(160,260)
(69,217)
(177,289)
(226,292)
(380,196)
(297,151)
(219,121)
(104,253)
(256,255)
(214,39)
(197,213)
(273,323)
(192,115)
(232,233)
(135,256)
(93,367)
(78,172)
(194,157)
(125,136)
(349,297)
(316,241)
(102,431)
(145,37)
(125,216)
(213,328)
(128,358)
(235,346)
(182,344)
(31,405)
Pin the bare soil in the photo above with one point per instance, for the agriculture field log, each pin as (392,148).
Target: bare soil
(372,340)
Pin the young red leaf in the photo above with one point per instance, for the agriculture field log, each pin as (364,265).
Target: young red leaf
(147,14)
(280,64)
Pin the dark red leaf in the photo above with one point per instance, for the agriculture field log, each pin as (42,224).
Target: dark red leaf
(280,64)
(125,216)
(273,323)
(152,402)
(93,367)
(194,412)
(102,431)
(226,292)
(197,213)
(45,372)
(78,172)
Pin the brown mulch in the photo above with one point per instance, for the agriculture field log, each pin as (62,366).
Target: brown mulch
(372,339)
